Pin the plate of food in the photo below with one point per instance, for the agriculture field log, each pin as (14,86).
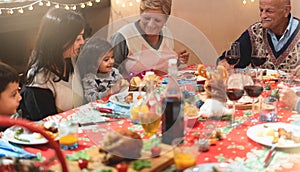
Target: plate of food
(212,167)
(284,134)
(126,100)
(23,136)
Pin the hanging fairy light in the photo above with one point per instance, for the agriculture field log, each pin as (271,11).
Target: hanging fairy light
(21,11)
(245,1)
(48,3)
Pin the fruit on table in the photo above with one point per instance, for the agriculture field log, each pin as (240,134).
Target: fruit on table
(83,163)
(155,151)
(122,167)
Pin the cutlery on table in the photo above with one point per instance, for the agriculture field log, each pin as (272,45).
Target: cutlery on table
(110,113)
(271,153)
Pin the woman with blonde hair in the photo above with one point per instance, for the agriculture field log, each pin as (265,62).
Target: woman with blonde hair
(146,44)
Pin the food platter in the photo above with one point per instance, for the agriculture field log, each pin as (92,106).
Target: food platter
(31,137)
(119,99)
(264,134)
(209,167)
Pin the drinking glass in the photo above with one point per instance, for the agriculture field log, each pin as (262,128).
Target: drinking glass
(187,85)
(68,134)
(234,91)
(253,88)
(258,57)
(184,154)
(233,55)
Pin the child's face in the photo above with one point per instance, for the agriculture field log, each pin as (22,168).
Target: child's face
(107,62)
(9,99)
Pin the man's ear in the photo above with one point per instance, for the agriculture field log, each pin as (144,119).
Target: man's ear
(287,10)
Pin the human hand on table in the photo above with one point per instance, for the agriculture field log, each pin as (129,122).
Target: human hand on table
(183,57)
(287,96)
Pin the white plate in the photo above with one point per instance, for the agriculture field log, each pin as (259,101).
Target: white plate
(33,140)
(224,167)
(119,98)
(254,134)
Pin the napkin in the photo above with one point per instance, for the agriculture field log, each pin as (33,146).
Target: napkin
(7,149)
(117,108)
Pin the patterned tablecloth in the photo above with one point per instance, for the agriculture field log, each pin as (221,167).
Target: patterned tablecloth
(234,148)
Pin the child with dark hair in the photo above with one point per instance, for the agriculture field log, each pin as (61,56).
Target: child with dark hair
(9,91)
(99,78)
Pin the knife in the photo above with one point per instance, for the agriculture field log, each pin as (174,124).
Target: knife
(110,113)
(96,123)
(270,155)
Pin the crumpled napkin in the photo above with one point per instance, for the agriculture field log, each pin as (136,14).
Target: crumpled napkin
(213,107)
(7,149)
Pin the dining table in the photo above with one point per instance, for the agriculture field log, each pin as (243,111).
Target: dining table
(234,148)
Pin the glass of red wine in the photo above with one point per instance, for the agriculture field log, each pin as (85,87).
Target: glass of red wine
(234,91)
(232,55)
(258,57)
(253,88)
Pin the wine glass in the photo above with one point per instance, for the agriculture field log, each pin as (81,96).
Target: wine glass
(234,91)
(232,56)
(258,57)
(253,88)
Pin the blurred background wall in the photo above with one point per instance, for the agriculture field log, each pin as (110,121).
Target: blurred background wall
(219,21)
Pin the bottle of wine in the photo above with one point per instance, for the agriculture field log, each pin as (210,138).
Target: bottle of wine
(172,117)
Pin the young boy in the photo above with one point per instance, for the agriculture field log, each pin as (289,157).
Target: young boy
(9,91)
(99,78)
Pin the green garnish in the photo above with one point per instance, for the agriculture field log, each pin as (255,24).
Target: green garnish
(140,164)
(78,155)
(17,133)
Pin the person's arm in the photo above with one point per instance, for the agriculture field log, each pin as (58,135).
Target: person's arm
(120,48)
(91,90)
(37,103)
(245,50)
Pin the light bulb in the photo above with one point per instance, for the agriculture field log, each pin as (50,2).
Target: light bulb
(30,8)
(97,1)
(90,4)
(82,5)
(21,10)
(123,5)
(0,12)
(67,7)
(48,4)
(252,0)
(74,7)
(117,2)
(10,11)
(244,2)
(138,1)
(41,3)
(57,6)
(130,4)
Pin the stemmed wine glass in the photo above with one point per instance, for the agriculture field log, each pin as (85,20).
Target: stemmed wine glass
(233,55)
(253,88)
(258,57)
(234,91)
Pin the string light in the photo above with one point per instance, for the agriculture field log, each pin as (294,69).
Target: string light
(48,3)
(126,3)
(245,1)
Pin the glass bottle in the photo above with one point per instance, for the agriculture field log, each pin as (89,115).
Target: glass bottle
(172,117)
(150,119)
